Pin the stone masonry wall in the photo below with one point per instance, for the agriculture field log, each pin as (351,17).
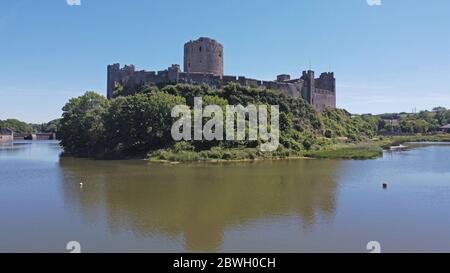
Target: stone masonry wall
(314,91)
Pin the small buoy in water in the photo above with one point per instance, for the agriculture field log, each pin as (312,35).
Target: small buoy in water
(385,185)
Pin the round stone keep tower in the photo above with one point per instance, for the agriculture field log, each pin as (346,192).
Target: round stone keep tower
(203,56)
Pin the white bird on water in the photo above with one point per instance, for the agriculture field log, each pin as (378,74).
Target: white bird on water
(81,185)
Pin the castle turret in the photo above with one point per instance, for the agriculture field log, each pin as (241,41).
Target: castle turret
(327,81)
(283,77)
(203,56)
(173,73)
(113,77)
(309,87)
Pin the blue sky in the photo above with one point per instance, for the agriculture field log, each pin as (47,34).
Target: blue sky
(388,58)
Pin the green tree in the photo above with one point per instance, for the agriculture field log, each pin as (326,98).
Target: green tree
(82,129)
(139,123)
(17,126)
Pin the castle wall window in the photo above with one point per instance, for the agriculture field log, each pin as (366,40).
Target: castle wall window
(200,49)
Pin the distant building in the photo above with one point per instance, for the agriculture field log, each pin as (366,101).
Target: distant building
(6,134)
(203,64)
(446,128)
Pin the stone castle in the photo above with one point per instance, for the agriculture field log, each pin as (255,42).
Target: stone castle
(203,64)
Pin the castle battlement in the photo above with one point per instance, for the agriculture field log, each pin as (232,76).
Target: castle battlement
(203,64)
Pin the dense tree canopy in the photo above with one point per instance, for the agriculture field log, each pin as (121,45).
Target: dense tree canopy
(412,123)
(138,122)
(22,127)
(17,126)
(82,127)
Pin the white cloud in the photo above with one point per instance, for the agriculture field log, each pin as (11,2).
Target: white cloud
(73,2)
(374,2)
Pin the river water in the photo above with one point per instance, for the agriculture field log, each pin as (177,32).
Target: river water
(270,206)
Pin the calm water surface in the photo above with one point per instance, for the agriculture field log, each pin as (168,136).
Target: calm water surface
(273,206)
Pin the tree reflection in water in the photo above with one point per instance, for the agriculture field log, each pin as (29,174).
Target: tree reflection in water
(199,201)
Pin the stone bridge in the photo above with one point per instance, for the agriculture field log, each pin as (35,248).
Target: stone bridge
(36,136)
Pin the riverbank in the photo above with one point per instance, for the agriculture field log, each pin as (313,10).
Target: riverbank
(219,154)
(388,142)
(348,151)
(358,151)
(372,149)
